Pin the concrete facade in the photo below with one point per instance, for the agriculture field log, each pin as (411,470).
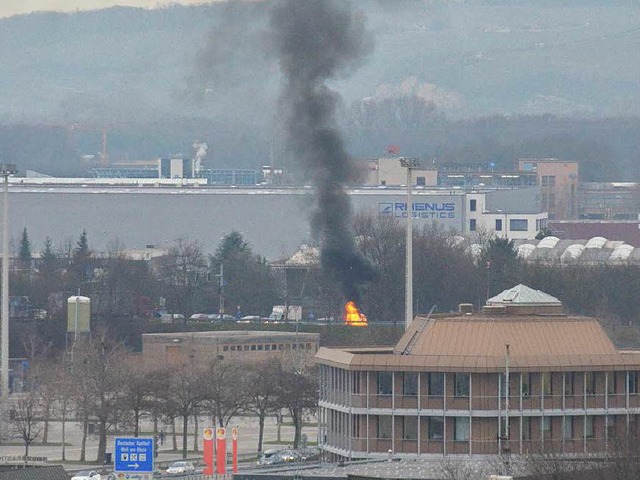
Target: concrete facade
(177,348)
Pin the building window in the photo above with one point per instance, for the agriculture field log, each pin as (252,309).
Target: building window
(546,427)
(436,428)
(385,381)
(526,428)
(436,384)
(568,428)
(611,426)
(568,383)
(588,427)
(253,348)
(611,383)
(547,385)
(518,224)
(225,348)
(633,382)
(548,180)
(409,428)
(498,224)
(421,181)
(260,347)
(461,429)
(472,225)
(461,385)
(526,384)
(590,382)
(384,426)
(410,383)
(473,205)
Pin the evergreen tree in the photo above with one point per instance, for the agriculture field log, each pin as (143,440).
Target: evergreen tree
(25,246)
(81,255)
(48,255)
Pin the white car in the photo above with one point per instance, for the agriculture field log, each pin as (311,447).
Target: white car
(87,475)
(181,467)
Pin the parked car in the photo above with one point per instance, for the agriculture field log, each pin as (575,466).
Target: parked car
(289,455)
(87,475)
(181,467)
(269,457)
(199,317)
(216,317)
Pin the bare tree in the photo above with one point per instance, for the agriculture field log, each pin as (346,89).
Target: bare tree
(99,367)
(182,273)
(297,391)
(183,396)
(27,419)
(223,397)
(140,385)
(261,390)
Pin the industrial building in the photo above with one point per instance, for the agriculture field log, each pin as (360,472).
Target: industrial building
(177,348)
(274,220)
(520,376)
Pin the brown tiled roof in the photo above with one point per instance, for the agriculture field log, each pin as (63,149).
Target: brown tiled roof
(528,336)
(478,343)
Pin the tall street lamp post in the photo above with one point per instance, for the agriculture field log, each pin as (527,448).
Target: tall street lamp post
(410,164)
(5,170)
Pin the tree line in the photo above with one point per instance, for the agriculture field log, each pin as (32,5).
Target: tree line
(97,383)
(235,280)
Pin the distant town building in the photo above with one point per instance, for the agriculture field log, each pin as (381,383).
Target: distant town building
(558,181)
(443,389)
(609,201)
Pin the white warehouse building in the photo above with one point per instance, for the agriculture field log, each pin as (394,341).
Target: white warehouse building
(274,220)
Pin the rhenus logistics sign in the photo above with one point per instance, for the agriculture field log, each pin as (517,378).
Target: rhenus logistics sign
(446,211)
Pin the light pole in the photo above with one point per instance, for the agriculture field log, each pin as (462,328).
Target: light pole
(5,170)
(410,164)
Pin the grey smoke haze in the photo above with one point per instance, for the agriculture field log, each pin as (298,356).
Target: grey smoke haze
(236,74)
(319,40)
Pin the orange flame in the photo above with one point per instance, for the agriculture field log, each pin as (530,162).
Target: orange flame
(352,315)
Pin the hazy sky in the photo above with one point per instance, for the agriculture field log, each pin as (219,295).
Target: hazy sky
(15,7)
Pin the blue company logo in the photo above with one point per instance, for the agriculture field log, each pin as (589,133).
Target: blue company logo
(436,210)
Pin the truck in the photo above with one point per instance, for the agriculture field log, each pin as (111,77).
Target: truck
(284,313)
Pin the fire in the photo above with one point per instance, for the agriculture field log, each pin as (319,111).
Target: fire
(352,315)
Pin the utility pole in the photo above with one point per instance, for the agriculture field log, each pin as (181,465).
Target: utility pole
(5,170)
(221,284)
(410,164)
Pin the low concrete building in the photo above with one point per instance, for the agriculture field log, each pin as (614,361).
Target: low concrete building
(176,348)
(452,386)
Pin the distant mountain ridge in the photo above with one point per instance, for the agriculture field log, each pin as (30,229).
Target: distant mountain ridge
(160,79)
(494,56)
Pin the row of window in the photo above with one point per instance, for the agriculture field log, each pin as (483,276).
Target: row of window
(515,225)
(268,346)
(593,382)
(461,427)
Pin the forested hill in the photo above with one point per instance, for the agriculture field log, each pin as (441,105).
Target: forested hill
(160,79)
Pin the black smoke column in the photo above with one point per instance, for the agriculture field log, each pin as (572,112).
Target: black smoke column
(316,41)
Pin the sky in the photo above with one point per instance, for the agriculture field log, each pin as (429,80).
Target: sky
(15,7)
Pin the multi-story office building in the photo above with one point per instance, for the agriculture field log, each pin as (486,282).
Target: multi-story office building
(453,383)
(558,181)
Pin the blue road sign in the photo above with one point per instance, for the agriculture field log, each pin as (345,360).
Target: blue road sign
(133,455)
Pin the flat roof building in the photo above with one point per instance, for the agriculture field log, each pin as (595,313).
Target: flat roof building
(177,348)
(443,388)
